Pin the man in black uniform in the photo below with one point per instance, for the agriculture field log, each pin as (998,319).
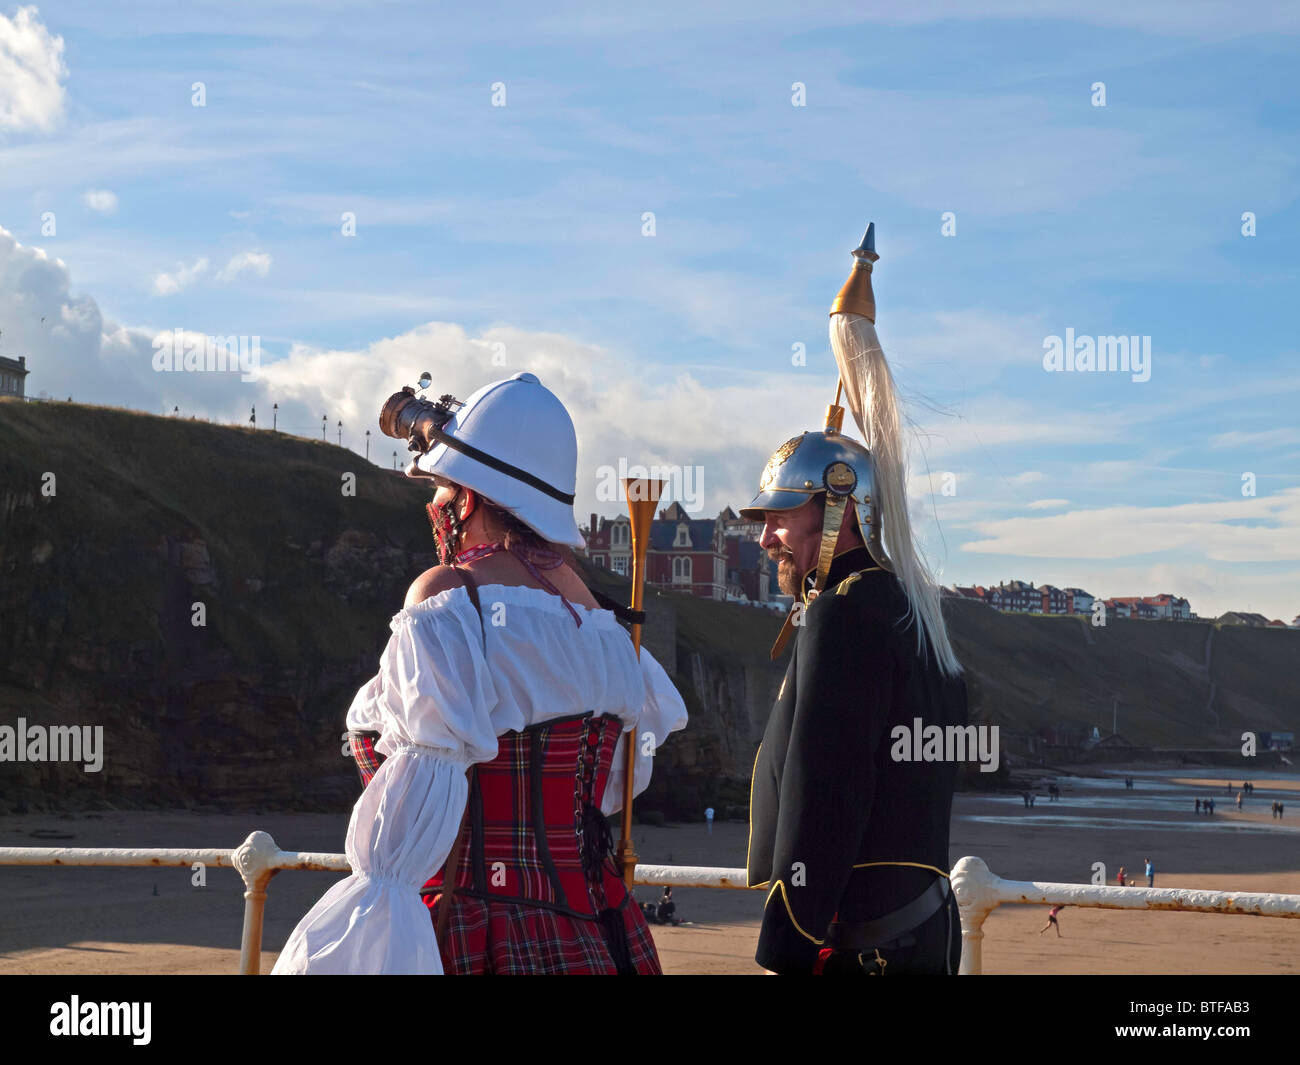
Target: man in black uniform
(851,842)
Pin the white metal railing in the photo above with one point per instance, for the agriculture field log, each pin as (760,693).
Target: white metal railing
(259,858)
(978,891)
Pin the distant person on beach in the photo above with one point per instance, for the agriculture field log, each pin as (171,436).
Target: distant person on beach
(1198,806)
(1211,801)
(1272,810)
(1025,795)
(1120,877)
(1279,811)
(1051,920)
(664,914)
(1228,789)
(1151,874)
(708,817)
(1238,800)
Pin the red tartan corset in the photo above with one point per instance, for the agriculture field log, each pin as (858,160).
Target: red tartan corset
(534,834)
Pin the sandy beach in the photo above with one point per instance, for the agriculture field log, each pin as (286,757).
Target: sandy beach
(124,920)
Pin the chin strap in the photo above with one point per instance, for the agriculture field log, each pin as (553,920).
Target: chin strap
(831,522)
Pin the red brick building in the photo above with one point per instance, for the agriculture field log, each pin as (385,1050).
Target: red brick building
(1055,600)
(1131,606)
(686,554)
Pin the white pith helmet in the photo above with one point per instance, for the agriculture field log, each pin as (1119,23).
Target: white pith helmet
(521,424)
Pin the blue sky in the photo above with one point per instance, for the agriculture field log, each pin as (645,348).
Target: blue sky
(492,239)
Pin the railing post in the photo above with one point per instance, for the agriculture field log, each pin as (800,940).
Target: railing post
(977,897)
(254,858)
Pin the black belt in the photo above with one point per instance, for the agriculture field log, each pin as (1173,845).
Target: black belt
(880,931)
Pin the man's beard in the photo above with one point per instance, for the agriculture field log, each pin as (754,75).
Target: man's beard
(787,579)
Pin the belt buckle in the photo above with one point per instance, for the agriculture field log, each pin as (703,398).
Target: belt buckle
(878,962)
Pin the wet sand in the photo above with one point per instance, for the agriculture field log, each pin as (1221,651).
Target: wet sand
(124,920)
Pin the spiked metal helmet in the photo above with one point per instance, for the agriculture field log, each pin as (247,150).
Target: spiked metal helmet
(830,462)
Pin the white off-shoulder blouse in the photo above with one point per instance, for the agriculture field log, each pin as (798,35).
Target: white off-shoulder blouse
(440,703)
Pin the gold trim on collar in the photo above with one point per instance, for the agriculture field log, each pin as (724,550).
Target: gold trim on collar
(803,584)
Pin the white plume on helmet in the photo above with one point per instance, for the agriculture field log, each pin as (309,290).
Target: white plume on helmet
(870,392)
(871,396)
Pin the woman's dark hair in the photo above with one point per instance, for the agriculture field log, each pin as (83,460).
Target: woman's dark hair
(519,537)
(516,536)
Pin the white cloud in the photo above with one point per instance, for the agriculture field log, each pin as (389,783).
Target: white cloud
(183,276)
(1028,477)
(1264,439)
(32,71)
(624,409)
(100,200)
(70,348)
(246,262)
(1258,529)
(1047,504)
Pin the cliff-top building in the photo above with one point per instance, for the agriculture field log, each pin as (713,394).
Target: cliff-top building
(13,375)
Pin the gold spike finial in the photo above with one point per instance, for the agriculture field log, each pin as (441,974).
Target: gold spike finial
(856,296)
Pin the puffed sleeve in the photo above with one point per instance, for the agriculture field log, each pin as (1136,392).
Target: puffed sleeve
(436,688)
(661,713)
(363,714)
(432,702)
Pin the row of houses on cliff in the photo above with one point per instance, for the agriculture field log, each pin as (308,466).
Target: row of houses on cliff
(1023,597)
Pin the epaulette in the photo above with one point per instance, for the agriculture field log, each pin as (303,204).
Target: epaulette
(844,585)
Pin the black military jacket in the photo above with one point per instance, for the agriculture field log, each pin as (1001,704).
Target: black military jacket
(837,827)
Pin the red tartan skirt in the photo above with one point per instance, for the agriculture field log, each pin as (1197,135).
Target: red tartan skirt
(537,888)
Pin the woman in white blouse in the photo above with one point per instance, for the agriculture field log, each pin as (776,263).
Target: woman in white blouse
(501,660)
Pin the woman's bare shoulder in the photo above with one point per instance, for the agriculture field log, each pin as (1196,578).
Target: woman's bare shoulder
(432,581)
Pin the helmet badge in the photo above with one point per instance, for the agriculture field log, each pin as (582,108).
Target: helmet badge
(840,478)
